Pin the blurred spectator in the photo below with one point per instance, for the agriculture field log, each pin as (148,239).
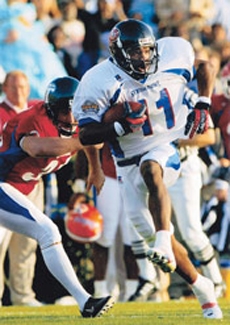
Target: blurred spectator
(144,10)
(88,5)
(218,35)
(24,46)
(193,15)
(73,28)
(97,26)
(221,15)
(200,12)
(215,217)
(170,14)
(166,9)
(224,50)
(109,13)
(47,13)
(57,37)
(215,37)
(215,59)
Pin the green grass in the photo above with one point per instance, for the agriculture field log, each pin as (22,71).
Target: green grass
(168,313)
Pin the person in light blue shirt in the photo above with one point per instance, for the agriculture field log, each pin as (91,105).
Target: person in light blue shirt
(23,45)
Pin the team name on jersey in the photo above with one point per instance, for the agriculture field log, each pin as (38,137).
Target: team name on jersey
(155,84)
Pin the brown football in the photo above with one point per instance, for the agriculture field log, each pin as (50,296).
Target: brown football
(118,111)
(114,113)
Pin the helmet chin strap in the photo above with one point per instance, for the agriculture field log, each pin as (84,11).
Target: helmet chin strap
(138,75)
(64,132)
(65,136)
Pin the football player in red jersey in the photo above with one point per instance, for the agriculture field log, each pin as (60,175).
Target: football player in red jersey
(21,249)
(35,142)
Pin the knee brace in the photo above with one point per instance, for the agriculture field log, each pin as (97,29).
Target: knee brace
(205,255)
(139,249)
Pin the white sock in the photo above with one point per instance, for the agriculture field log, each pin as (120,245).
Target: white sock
(100,288)
(61,268)
(147,270)
(203,289)
(130,288)
(212,271)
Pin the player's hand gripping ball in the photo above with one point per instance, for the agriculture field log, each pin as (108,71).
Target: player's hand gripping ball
(121,111)
(130,115)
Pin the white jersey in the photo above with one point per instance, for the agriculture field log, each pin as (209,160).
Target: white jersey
(106,84)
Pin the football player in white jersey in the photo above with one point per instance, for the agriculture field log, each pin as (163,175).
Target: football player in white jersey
(188,214)
(153,74)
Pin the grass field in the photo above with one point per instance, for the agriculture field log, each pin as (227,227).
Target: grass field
(168,313)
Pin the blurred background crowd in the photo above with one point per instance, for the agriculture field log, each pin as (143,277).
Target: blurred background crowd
(46,39)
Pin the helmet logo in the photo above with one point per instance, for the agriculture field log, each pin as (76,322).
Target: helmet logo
(146,41)
(51,87)
(114,35)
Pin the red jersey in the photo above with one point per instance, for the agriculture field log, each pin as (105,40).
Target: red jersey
(16,166)
(220,112)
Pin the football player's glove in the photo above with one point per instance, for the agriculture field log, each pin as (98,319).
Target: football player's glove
(135,124)
(197,120)
(135,109)
(134,116)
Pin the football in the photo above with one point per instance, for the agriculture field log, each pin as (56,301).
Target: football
(119,111)
(114,113)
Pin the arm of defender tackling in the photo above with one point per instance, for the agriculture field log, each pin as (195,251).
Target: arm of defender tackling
(95,133)
(95,175)
(49,147)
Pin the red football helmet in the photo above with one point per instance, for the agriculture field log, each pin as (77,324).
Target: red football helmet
(225,79)
(84,224)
